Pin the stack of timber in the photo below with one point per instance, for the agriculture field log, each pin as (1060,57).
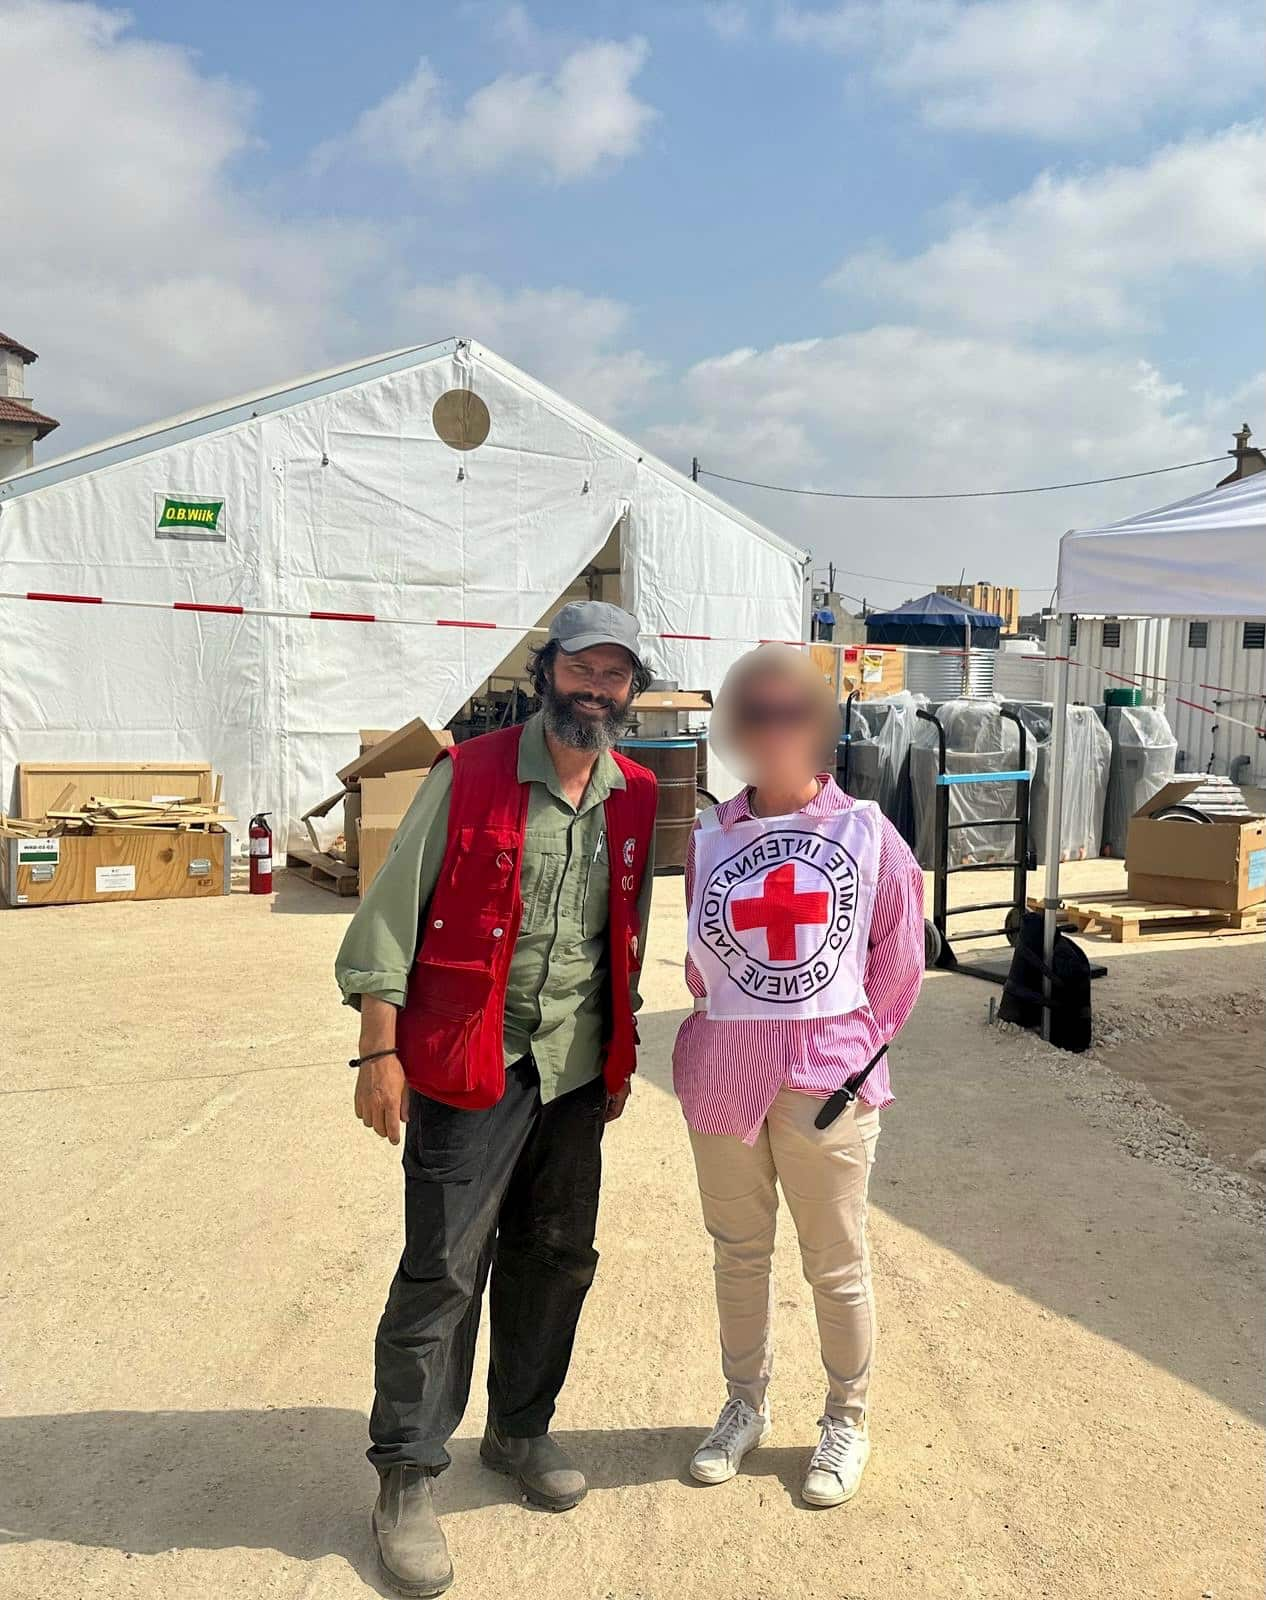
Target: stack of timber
(104,814)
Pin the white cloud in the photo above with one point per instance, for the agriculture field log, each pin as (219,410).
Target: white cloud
(1088,254)
(556,129)
(129,258)
(1054,69)
(727,19)
(571,341)
(903,409)
(134,261)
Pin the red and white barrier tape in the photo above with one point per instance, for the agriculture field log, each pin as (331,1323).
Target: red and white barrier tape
(419,622)
(1137,680)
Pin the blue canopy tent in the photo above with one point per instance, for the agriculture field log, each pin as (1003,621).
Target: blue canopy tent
(934,619)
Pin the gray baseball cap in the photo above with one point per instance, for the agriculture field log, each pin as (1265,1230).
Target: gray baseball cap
(585,623)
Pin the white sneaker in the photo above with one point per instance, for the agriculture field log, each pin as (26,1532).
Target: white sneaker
(739,1429)
(836,1466)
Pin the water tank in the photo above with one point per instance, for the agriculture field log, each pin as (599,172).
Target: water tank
(940,677)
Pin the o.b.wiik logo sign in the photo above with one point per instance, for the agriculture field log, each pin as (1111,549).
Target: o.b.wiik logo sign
(189,516)
(780,913)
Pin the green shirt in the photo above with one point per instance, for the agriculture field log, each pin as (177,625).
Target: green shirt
(554,991)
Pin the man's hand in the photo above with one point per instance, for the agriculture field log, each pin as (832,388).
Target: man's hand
(617,1102)
(382,1096)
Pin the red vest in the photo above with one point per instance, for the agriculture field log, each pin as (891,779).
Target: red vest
(448,1032)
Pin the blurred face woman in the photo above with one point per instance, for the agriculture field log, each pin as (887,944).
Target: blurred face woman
(775,725)
(804,958)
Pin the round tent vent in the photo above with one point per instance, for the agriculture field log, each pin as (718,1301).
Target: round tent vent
(461,419)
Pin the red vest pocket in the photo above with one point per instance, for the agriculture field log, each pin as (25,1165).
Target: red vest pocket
(437,1031)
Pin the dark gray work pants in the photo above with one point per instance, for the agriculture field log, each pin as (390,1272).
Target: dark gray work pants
(512,1190)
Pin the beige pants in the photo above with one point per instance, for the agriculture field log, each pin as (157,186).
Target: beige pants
(823,1174)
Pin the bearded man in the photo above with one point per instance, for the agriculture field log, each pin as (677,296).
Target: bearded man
(494,962)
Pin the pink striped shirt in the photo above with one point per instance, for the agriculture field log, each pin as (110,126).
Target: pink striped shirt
(727,1074)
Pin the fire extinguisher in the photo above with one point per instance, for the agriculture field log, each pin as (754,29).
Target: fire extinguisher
(261,836)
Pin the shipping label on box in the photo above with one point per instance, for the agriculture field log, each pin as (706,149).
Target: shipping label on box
(116,880)
(38,851)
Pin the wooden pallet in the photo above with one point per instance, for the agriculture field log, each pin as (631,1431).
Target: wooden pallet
(324,871)
(1125,920)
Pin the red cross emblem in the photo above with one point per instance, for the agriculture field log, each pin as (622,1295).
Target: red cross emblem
(779,910)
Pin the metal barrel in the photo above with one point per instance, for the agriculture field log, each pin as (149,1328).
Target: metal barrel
(701,768)
(675,764)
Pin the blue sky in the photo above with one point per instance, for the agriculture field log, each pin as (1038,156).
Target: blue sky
(914,245)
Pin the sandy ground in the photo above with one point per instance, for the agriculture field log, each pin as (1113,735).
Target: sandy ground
(198,1238)
(1214,1080)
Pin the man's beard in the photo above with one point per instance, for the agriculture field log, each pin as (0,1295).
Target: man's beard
(578,730)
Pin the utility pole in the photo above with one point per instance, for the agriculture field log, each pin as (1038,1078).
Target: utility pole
(694,469)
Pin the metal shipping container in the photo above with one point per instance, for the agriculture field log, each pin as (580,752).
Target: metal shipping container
(1225,665)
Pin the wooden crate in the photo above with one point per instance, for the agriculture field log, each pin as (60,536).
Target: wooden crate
(892,667)
(140,864)
(70,784)
(1125,920)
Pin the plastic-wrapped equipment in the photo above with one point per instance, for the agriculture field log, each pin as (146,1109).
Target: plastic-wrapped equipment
(978,738)
(1087,758)
(882,732)
(1143,754)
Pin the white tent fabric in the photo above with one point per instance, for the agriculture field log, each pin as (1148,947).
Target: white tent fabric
(1205,556)
(339,496)
(1201,557)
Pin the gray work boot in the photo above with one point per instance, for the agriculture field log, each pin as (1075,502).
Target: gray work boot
(412,1552)
(545,1472)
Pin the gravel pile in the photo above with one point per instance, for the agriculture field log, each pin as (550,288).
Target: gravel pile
(1171,1013)
(1139,1122)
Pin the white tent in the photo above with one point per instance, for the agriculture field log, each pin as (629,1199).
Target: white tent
(1204,556)
(373,492)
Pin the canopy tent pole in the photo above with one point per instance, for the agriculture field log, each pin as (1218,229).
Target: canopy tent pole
(1054,813)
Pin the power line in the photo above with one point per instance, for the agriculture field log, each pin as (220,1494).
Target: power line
(965,494)
(916,583)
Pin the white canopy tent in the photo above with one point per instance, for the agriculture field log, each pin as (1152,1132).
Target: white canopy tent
(228,554)
(1204,556)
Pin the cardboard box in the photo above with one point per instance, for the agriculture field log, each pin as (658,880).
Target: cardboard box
(668,713)
(322,839)
(673,700)
(384,802)
(389,797)
(1220,865)
(141,864)
(375,846)
(351,827)
(415,745)
(378,788)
